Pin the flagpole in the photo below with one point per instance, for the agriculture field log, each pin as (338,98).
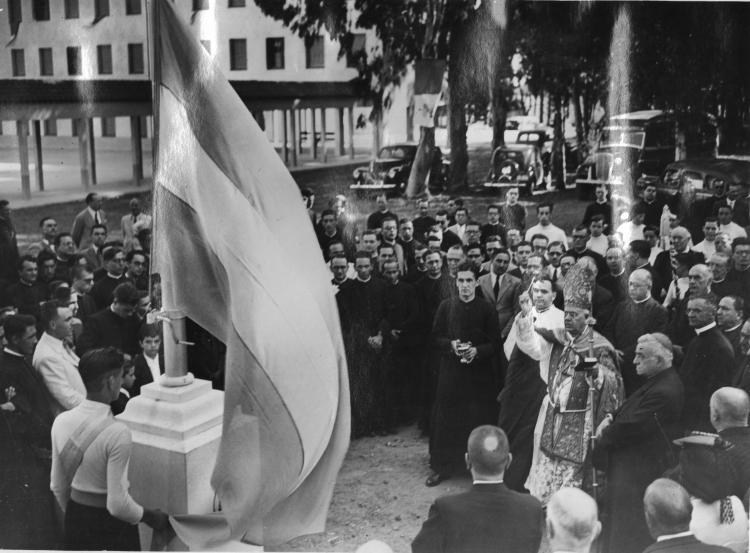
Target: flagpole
(175,345)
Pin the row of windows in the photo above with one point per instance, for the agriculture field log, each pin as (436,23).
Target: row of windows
(314,52)
(73,58)
(40,9)
(314,56)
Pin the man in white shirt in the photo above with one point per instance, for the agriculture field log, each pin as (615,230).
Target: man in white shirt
(598,241)
(727,226)
(55,360)
(545,226)
(651,235)
(147,363)
(459,229)
(90,457)
(633,229)
(707,246)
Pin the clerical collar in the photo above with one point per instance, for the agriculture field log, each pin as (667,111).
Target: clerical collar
(718,281)
(641,266)
(368,279)
(488,481)
(673,536)
(735,327)
(340,281)
(113,277)
(621,272)
(13,353)
(543,310)
(469,300)
(703,329)
(644,300)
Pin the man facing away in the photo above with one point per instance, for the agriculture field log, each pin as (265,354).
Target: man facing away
(668,512)
(90,457)
(572,521)
(488,517)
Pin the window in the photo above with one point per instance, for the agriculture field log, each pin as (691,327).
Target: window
(237,54)
(135,59)
(207,45)
(358,48)
(40,10)
(314,52)
(71,9)
(73,54)
(132,7)
(101,9)
(45,62)
(14,15)
(200,5)
(108,126)
(18,62)
(50,127)
(236,3)
(274,53)
(104,59)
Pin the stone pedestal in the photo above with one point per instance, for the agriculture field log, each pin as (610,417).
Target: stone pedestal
(176,433)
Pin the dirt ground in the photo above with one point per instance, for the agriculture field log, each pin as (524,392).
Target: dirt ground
(380,494)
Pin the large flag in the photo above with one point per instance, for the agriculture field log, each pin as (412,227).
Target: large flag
(428,84)
(237,253)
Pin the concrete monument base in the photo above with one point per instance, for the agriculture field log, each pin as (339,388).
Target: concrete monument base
(176,433)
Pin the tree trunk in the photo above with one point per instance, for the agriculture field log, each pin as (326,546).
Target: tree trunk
(578,121)
(457,85)
(420,169)
(558,171)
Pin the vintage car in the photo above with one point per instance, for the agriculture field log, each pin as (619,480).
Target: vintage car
(641,143)
(517,165)
(544,140)
(703,174)
(389,172)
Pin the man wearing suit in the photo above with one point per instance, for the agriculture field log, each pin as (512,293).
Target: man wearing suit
(48,227)
(730,408)
(639,252)
(148,364)
(84,222)
(114,263)
(572,521)
(668,510)
(708,364)
(738,205)
(616,280)
(632,441)
(55,361)
(729,320)
(115,326)
(501,290)
(489,517)
(93,253)
(131,223)
(639,314)
(8,243)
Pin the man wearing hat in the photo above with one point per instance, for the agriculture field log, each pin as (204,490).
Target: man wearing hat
(571,411)
(90,456)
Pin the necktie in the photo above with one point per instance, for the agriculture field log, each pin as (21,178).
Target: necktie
(496,288)
(97,221)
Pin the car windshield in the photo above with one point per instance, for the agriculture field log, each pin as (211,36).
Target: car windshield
(397,152)
(530,137)
(622,137)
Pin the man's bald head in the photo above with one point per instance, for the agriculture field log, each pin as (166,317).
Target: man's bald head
(642,275)
(667,507)
(572,520)
(730,408)
(487,452)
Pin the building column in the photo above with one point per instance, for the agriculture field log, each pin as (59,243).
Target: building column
(136,150)
(285,147)
(323,134)
(22,130)
(93,151)
(340,150)
(84,151)
(351,131)
(39,166)
(295,137)
(313,140)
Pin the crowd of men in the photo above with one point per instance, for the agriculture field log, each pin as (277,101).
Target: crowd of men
(594,347)
(76,345)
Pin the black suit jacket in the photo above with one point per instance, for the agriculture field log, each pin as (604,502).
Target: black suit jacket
(685,544)
(489,517)
(708,365)
(143,373)
(105,328)
(740,213)
(739,458)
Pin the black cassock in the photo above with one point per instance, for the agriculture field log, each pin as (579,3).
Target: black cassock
(466,392)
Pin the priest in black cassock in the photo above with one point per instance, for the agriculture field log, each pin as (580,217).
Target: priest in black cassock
(365,340)
(639,314)
(465,332)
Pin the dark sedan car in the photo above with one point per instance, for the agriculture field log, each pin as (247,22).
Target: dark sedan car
(517,165)
(389,172)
